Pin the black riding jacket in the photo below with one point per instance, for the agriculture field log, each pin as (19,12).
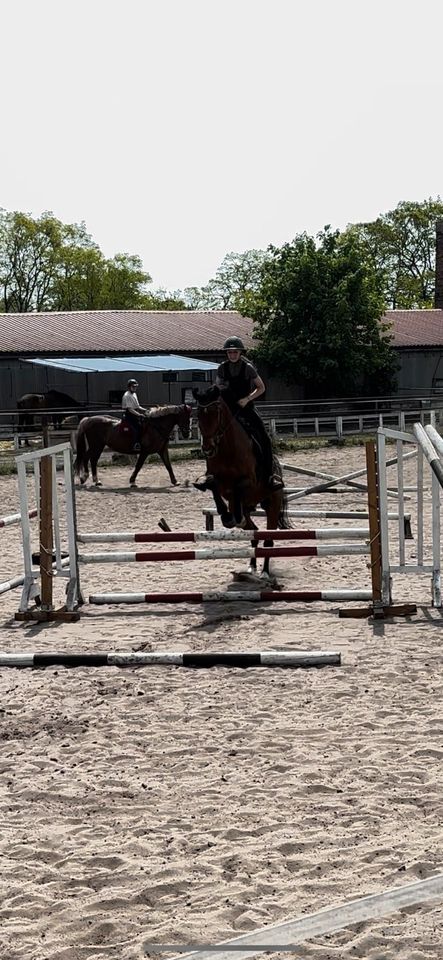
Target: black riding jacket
(239,385)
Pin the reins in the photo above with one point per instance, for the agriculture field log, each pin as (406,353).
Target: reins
(212,451)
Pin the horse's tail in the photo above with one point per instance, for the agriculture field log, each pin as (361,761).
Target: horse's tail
(81,459)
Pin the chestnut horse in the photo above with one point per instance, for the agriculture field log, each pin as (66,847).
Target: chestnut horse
(233,459)
(96,433)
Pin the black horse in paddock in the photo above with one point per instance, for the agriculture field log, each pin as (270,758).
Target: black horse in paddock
(31,405)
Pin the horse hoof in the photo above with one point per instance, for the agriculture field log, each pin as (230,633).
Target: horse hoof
(98,483)
(132,483)
(228,520)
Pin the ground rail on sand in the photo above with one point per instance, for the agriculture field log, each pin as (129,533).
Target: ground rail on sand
(267,658)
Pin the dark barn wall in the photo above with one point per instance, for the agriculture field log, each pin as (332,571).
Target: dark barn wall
(421,372)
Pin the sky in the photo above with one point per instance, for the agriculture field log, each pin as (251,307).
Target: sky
(181,130)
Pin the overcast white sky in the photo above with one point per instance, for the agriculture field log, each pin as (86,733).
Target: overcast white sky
(184,129)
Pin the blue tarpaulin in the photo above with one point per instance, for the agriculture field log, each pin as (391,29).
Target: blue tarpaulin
(154,364)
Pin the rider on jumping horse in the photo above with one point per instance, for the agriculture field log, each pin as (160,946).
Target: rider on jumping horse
(240,384)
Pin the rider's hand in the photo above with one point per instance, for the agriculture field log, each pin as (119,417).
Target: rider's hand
(243,402)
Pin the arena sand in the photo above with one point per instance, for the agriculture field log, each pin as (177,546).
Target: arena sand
(171,805)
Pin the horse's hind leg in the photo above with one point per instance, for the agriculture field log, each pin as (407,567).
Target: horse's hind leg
(138,465)
(85,469)
(164,457)
(272,508)
(250,525)
(94,457)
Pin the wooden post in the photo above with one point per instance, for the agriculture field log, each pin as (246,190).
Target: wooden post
(377,610)
(46,541)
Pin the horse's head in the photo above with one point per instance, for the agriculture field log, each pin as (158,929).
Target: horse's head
(209,414)
(184,420)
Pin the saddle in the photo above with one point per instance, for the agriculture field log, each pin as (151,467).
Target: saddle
(125,428)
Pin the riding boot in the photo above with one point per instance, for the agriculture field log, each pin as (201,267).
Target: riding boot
(206,484)
(275,482)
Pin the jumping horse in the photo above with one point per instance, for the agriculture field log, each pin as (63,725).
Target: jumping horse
(96,433)
(233,459)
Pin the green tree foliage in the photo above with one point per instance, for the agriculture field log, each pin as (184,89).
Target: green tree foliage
(162,300)
(49,265)
(401,244)
(318,314)
(237,277)
(28,260)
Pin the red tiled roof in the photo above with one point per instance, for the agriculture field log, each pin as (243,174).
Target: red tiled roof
(416,328)
(121,331)
(168,331)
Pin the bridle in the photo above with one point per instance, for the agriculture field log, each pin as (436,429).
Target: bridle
(212,450)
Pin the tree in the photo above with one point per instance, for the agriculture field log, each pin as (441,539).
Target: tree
(48,265)
(28,260)
(238,275)
(401,244)
(162,300)
(318,314)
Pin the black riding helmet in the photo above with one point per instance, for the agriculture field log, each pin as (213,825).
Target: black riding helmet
(233,343)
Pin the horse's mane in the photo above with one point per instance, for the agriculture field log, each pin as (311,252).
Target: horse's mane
(163,411)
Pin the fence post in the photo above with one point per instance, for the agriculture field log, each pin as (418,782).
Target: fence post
(46,540)
(374,527)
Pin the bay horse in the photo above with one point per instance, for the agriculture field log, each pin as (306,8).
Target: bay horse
(96,433)
(233,459)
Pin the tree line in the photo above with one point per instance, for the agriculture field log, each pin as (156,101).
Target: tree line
(316,302)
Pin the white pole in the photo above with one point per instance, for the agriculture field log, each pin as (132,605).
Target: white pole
(28,582)
(435,438)
(56,517)
(429,451)
(401,507)
(436,546)
(326,921)
(383,514)
(73,592)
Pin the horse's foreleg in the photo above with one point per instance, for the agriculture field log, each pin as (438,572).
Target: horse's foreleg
(225,515)
(164,457)
(138,465)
